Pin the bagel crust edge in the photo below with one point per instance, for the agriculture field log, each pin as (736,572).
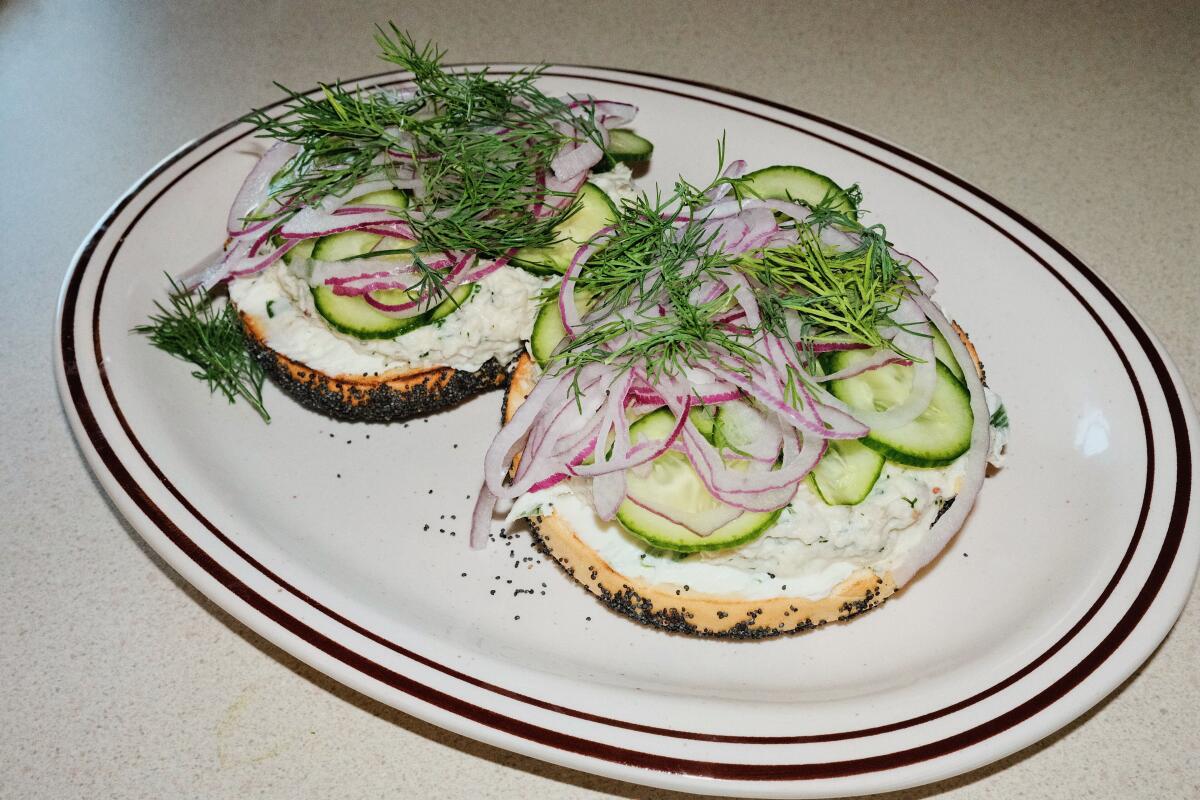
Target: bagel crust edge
(390,397)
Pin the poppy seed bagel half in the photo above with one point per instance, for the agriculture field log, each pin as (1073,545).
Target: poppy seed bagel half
(386,397)
(676,608)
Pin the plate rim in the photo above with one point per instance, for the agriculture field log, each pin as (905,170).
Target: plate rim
(71,389)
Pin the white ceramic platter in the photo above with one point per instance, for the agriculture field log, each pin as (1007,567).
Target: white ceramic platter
(346,544)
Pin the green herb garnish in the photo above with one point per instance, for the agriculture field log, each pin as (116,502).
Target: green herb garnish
(193,329)
(999,418)
(479,145)
(847,295)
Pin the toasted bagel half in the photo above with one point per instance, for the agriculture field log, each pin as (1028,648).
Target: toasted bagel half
(678,608)
(386,397)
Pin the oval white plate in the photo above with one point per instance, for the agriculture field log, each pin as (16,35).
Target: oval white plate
(346,544)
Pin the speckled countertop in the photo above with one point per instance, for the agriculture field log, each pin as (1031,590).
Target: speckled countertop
(122,681)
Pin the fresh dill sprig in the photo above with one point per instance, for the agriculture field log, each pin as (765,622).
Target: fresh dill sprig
(479,144)
(645,307)
(846,295)
(999,418)
(649,258)
(193,329)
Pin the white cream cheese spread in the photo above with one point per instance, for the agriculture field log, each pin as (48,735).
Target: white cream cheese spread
(617,183)
(492,324)
(811,548)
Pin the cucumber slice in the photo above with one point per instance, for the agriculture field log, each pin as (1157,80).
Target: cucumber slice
(705,420)
(799,184)
(625,145)
(301,251)
(548,329)
(393,198)
(354,316)
(457,299)
(846,473)
(547,332)
(594,213)
(735,428)
(672,481)
(356,244)
(943,353)
(936,438)
(351,244)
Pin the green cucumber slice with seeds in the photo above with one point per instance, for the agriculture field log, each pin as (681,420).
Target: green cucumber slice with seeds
(624,146)
(673,481)
(548,329)
(356,244)
(799,184)
(594,213)
(936,438)
(356,317)
(456,300)
(350,244)
(301,251)
(943,353)
(846,473)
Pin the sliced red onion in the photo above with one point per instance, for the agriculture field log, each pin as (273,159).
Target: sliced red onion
(926,280)
(420,303)
(259,266)
(809,423)
(487,268)
(500,454)
(568,309)
(744,232)
(575,158)
(736,169)
(976,464)
(559,194)
(880,358)
(827,346)
(607,113)
(359,276)
(608,492)
(254,191)
(481,517)
(908,315)
(732,486)
(701,523)
(311,222)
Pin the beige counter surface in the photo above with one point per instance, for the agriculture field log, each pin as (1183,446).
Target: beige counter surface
(120,680)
